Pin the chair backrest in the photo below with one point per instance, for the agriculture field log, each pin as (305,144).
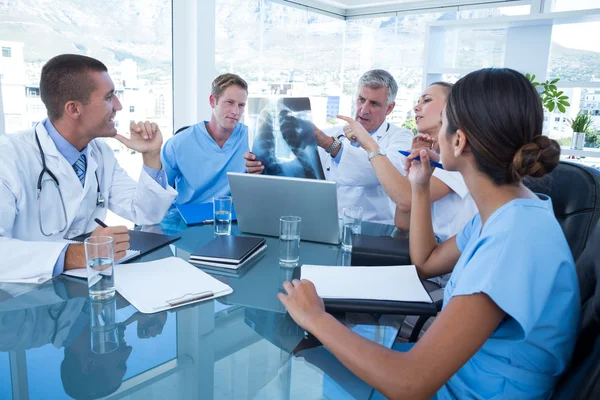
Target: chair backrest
(183,128)
(582,378)
(575,193)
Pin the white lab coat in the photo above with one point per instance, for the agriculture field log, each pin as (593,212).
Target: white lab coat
(28,255)
(357,183)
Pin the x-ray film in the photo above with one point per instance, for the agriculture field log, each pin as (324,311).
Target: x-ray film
(284,137)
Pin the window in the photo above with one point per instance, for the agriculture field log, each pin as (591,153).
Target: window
(32,92)
(131,109)
(575,53)
(141,57)
(571,5)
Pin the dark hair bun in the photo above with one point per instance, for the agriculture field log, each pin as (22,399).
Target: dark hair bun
(535,159)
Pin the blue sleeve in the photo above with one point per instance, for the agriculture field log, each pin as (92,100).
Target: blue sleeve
(338,157)
(462,238)
(508,266)
(156,174)
(169,162)
(59,267)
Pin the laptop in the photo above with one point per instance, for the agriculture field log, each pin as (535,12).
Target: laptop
(260,200)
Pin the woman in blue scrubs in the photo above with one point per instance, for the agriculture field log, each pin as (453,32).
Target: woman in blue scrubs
(511,308)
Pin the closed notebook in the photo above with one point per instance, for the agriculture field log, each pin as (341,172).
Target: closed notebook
(228,249)
(256,254)
(379,250)
(203,213)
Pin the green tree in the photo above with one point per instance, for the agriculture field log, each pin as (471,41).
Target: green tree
(411,125)
(592,138)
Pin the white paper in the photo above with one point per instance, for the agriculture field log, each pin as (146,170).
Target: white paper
(82,272)
(150,286)
(395,283)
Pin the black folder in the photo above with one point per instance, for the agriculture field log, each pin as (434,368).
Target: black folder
(144,242)
(375,306)
(379,251)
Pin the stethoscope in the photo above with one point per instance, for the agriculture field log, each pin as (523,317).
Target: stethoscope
(99,199)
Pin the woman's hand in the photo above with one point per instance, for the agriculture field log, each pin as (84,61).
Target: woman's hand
(355,132)
(302,302)
(423,141)
(419,171)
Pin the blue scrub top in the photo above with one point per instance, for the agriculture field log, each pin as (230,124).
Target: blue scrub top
(522,261)
(198,167)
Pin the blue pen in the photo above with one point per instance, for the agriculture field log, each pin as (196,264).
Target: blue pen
(432,163)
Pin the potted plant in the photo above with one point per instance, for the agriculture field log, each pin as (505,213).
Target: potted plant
(551,97)
(580,125)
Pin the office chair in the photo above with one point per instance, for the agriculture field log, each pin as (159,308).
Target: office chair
(575,193)
(581,380)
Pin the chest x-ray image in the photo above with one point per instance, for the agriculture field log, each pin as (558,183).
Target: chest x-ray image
(284,137)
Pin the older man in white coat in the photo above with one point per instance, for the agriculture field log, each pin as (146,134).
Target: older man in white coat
(57,177)
(349,165)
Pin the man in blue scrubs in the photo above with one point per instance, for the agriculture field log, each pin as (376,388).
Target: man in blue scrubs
(197,159)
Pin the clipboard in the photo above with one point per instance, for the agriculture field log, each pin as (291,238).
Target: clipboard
(166,284)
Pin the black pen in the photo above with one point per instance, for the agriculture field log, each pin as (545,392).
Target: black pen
(99,222)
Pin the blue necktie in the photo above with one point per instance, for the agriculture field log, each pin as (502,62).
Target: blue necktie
(79,168)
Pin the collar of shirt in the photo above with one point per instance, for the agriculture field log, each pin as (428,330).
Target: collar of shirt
(63,146)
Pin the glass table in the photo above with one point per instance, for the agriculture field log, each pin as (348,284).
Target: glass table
(241,346)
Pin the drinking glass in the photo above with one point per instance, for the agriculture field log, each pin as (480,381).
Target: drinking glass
(352,218)
(99,260)
(222,209)
(289,240)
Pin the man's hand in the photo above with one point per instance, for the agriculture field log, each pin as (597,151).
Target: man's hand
(252,165)
(75,255)
(355,132)
(146,138)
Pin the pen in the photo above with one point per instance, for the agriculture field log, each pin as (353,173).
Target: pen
(208,221)
(432,163)
(99,222)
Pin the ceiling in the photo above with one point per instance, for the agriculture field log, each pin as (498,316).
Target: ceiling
(356,8)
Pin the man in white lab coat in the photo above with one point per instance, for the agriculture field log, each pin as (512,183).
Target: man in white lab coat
(349,165)
(77,173)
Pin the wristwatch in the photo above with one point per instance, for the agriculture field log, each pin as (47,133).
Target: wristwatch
(336,143)
(379,152)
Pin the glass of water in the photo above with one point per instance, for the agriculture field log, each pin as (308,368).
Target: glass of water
(289,240)
(222,209)
(352,222)
(99,257)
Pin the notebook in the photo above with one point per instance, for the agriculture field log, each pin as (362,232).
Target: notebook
(395,283)
(227,249)
(140,243)
(193,214)
(253,256)
(385,290)
(165,284)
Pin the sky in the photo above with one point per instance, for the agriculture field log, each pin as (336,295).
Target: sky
(577,36)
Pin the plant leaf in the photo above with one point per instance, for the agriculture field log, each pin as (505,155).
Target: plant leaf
(561,108)
(555,80)
(550,106)
(566,103)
